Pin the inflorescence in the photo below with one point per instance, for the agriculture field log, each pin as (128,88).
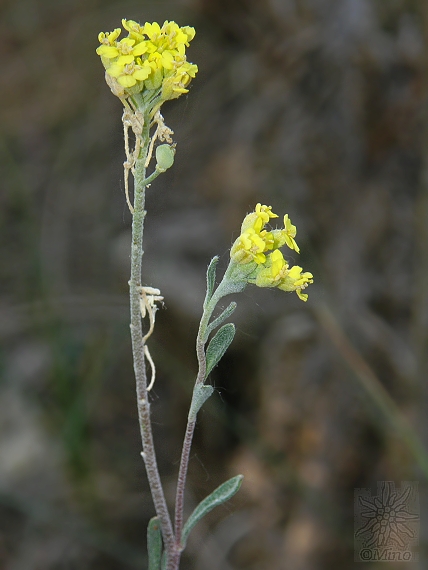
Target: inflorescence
(151,60)
(258,249)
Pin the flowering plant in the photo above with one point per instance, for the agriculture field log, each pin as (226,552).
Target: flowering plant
(150,63)
(248,254)
(145,69)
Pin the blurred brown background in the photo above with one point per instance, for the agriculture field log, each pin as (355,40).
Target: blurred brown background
(316,107)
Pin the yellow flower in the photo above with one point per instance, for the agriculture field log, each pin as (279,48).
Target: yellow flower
(135,31)
(290,234)
(161,60)
(258,219)
(254,239)
(271,270)
(279,265)
(248,247)
(174,85)
(152,30)
(276,273)
(285,236)
(295,280)
(109,38)
(190,33)
(128,75)
(150,58)
(124,50)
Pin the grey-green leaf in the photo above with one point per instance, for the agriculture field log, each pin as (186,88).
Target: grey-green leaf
(154,544)
(201,394)
(222,317)
(211,273)
(218,345)
(217,497)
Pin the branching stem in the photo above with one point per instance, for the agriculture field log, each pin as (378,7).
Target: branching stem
(172,538)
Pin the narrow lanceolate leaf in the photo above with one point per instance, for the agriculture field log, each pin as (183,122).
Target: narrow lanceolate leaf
(211,272)
(218,345)
(201,393)
(222,317)
(217,497)
(154,544)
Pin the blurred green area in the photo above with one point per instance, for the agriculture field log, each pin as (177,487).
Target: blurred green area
(316,107)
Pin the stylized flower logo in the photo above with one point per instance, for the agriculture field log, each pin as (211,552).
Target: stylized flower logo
(387,518)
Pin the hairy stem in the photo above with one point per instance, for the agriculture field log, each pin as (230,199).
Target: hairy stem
(191,423)
(148,454)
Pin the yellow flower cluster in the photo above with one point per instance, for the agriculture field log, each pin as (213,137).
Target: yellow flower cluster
(254,244)
(150,58)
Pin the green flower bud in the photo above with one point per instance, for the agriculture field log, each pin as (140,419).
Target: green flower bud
(164,157)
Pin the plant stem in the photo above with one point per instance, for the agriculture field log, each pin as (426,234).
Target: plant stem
(190,429)
(143,404)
